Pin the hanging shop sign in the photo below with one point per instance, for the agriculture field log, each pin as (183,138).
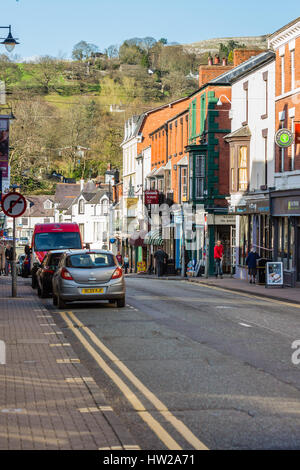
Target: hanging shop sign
(297,133)
(274,274)
(151,197)
(284,138)
(131,202)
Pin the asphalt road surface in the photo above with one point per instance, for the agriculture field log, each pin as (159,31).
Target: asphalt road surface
(193,367)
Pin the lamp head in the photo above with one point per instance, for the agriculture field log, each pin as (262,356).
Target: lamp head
(10,42)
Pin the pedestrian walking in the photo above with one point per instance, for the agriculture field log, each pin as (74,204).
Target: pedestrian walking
(126,263)
(8,259)
(218,256)
(251,263)
(161,258)
(2,258)
(119,258)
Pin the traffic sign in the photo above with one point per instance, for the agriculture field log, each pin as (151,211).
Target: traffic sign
(14,204)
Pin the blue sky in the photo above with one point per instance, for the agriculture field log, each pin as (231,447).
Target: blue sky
(52,27)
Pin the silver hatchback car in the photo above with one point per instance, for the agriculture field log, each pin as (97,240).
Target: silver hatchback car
(84,275)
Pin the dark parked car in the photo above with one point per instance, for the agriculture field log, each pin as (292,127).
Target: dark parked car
(84,275)
(45,272)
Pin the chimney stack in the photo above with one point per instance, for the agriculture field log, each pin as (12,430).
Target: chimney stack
(241,55)
(216,59)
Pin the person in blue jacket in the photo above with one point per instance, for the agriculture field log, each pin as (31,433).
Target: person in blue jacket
(251,263)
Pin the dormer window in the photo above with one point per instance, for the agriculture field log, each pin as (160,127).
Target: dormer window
(81,207)
(48,204)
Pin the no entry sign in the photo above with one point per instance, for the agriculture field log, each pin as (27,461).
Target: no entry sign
(14,204)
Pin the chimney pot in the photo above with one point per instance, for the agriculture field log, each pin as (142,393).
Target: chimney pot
(224,62)
(216,59)
(210,60)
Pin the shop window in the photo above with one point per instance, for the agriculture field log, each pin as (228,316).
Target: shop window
(243,168)
(285,243)
(243,239)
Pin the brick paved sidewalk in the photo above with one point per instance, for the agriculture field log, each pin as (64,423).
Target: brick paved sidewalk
(46,400)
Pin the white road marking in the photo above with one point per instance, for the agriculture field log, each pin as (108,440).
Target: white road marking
(246,325)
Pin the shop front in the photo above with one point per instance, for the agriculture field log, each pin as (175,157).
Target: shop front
(253,229)
(286,228)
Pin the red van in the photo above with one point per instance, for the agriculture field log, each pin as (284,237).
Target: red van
(48,237)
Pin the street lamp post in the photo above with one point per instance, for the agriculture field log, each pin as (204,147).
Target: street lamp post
(219,103)
(9,42)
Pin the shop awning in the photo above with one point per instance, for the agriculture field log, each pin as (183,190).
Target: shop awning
(153,238)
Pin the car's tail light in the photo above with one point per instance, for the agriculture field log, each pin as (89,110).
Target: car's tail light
(47,269)
(117,274)
(66,275)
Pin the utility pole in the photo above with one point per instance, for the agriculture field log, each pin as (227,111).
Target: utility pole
(183,244)
(13,264)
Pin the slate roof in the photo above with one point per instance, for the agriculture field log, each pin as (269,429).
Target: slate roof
(234,74)
(65,194)
(35,207)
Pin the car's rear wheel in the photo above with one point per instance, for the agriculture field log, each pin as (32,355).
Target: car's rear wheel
(44,294)
(61,303)
(121,302)
(54,299)
(33,282)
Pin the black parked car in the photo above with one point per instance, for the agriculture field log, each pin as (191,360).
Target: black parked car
(45,272)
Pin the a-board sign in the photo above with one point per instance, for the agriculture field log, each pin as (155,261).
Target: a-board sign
(274,274)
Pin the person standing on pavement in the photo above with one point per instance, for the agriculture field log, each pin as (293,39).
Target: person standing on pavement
(161,257)
(126,263)
(251,263)
(2,258)
(218,256)
(8,258)
(119,258)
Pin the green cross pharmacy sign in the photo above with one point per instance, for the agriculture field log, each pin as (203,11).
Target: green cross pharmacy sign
(284,138)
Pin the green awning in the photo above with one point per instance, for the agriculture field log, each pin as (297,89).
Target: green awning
(153,238)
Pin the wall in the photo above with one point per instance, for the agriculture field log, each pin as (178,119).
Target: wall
(257,109)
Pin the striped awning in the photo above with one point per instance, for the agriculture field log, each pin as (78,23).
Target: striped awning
(153,238)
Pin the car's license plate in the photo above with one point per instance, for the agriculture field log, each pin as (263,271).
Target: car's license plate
(92,291)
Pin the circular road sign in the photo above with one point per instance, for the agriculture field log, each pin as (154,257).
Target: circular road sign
(284,138)
(14,204)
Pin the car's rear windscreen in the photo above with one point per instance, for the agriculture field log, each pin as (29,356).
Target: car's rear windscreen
(91,260)
(57,241)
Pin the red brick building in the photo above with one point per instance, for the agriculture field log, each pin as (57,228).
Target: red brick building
(286,199)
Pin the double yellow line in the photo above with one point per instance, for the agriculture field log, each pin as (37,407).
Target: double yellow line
(138,406)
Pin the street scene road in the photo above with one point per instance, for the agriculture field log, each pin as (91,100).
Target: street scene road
(212,368)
